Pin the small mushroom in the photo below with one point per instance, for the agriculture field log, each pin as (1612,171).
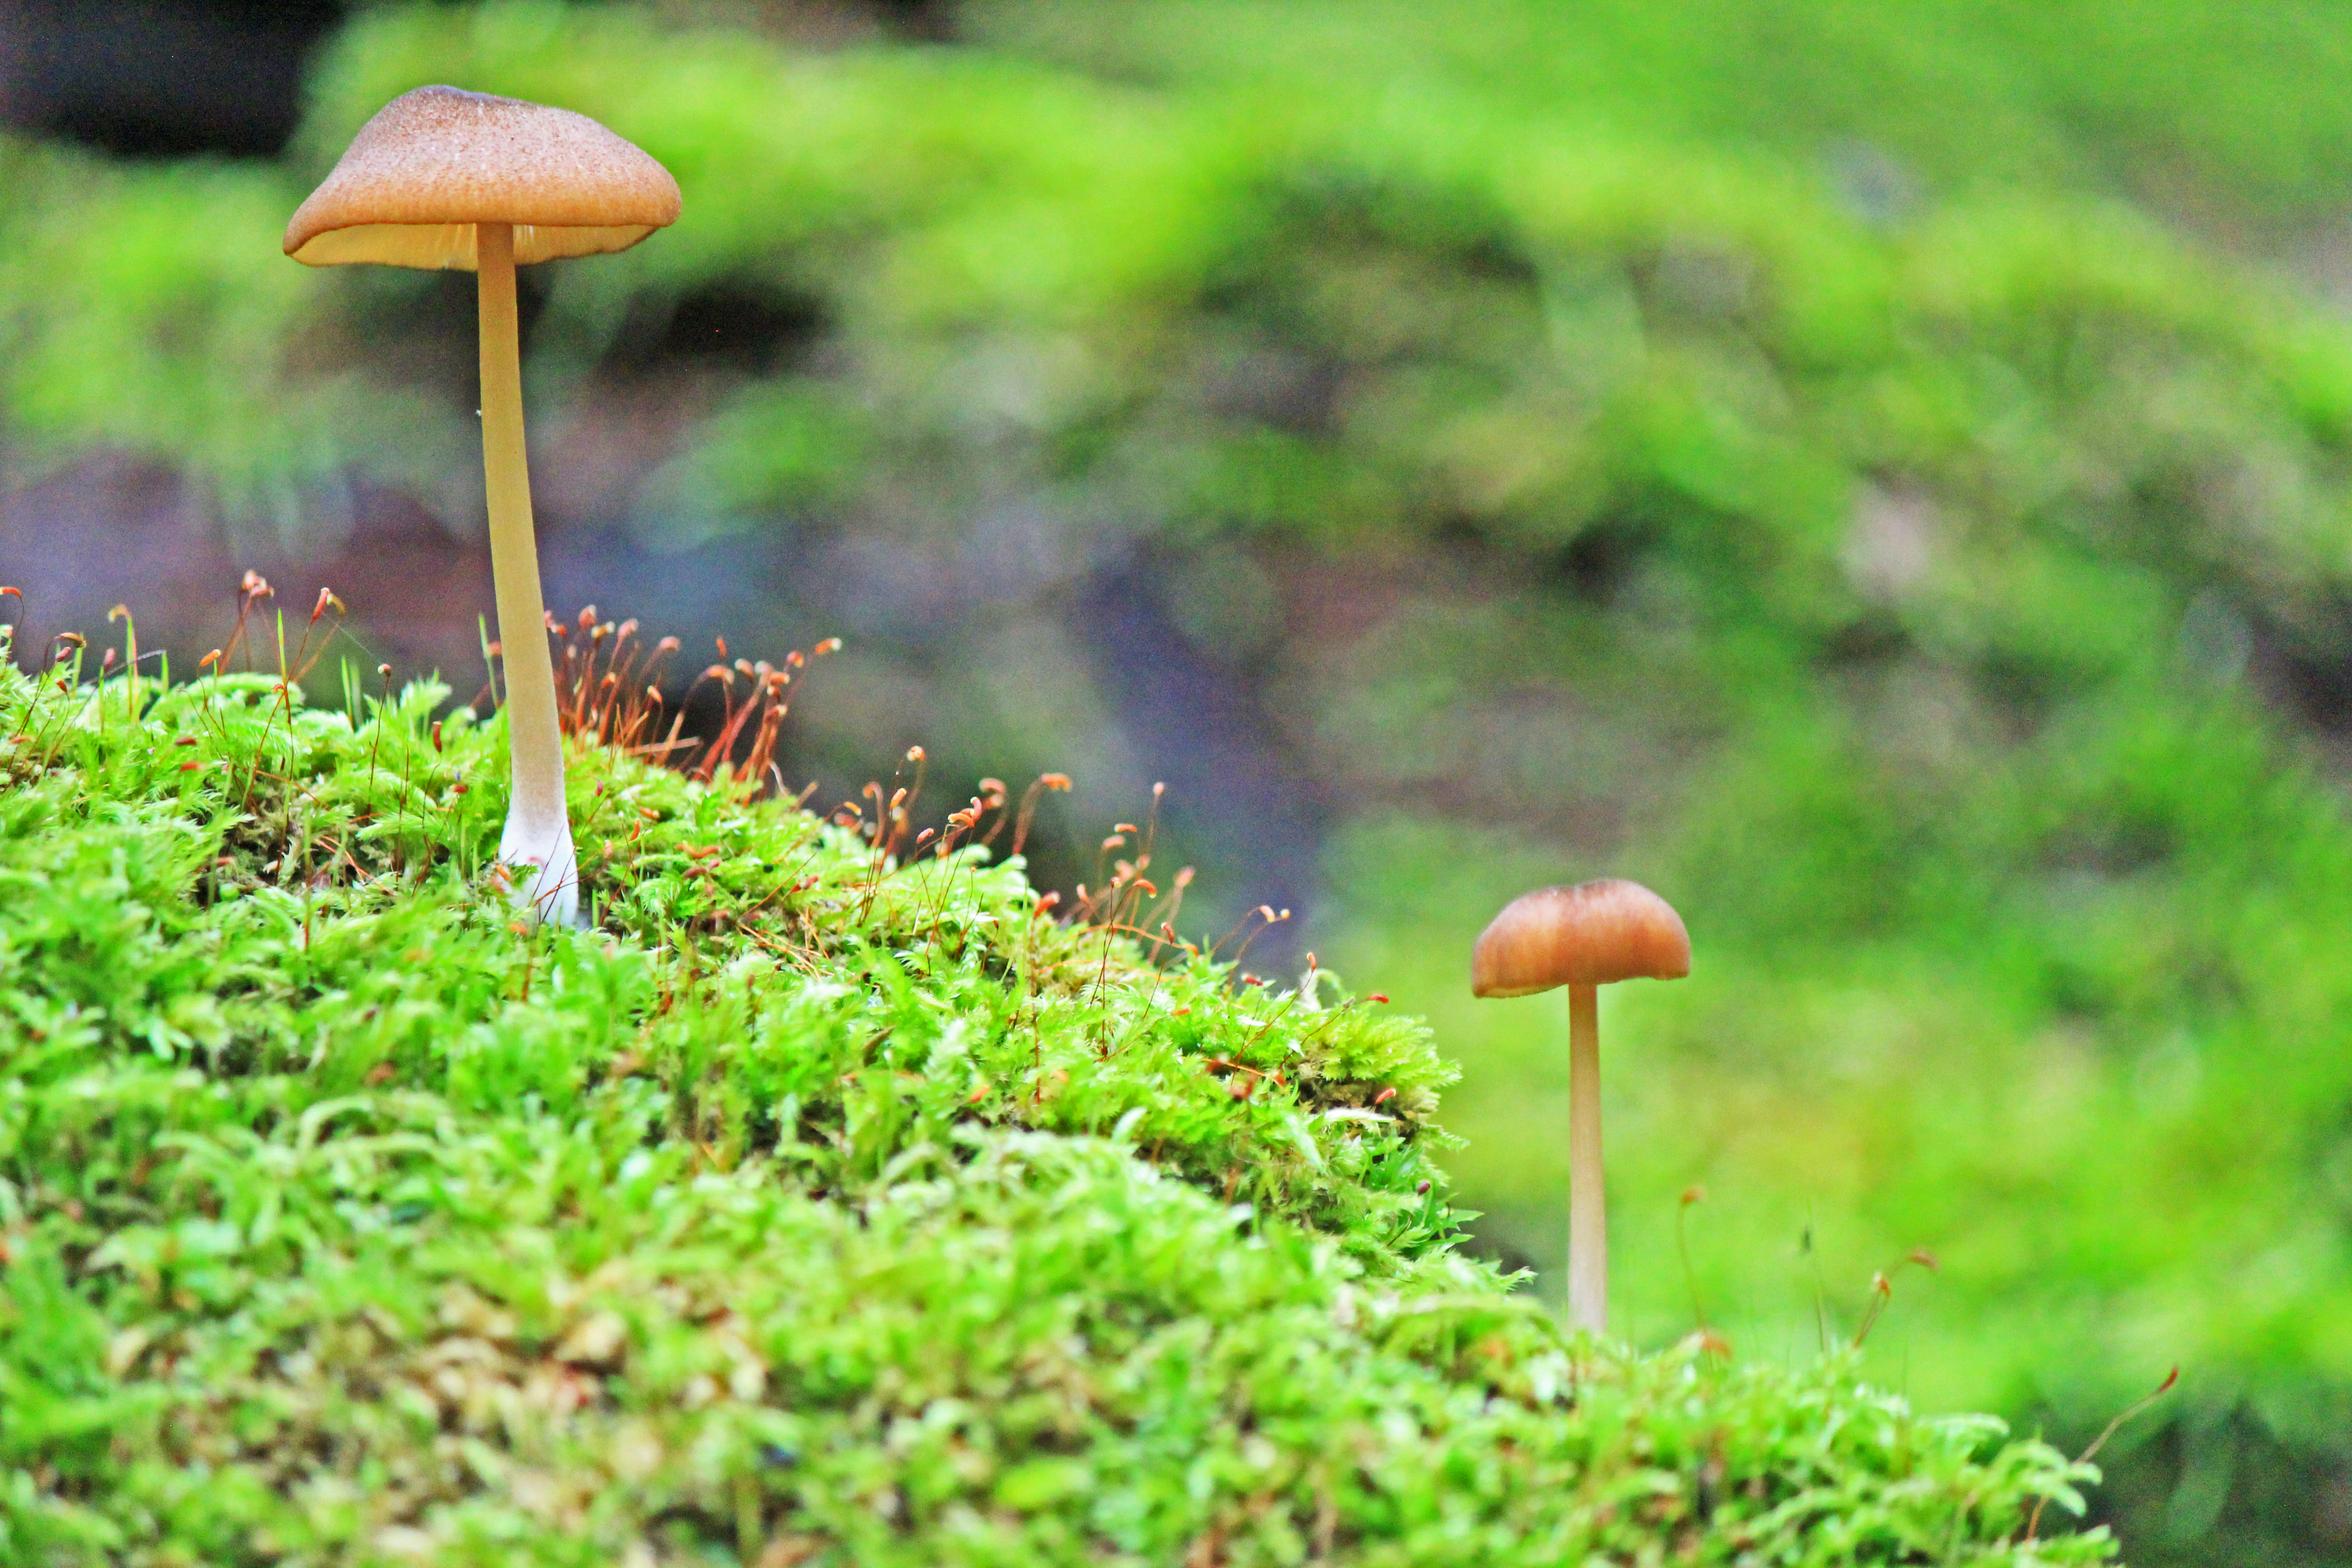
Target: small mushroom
(445,178)
(1584,937)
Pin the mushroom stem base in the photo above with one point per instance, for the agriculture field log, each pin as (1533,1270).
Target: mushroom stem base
(545,871)
(1588,1209)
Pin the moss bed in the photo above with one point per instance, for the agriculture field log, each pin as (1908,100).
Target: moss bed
(816,1206)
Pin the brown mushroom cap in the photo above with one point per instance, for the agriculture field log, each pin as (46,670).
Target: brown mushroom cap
(434,163)
(1595,934)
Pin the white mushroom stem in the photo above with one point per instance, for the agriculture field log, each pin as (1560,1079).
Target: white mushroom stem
(1588,1212)
(536,843)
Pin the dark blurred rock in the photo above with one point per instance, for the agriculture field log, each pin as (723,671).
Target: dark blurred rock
(147,79)
(108,531)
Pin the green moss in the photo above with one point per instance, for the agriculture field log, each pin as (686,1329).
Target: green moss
(811,1206)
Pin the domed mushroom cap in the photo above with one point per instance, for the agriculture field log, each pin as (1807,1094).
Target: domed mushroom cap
(434,163)
(1595,934)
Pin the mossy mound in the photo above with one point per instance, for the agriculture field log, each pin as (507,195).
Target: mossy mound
(815,1206)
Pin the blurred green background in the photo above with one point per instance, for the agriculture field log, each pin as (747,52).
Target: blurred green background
(1882,476)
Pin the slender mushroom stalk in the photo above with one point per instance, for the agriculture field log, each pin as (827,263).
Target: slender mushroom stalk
(445,178)
(1584,936)
(538,834)
(1588,1209)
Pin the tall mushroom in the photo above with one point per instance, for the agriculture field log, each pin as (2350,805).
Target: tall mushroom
(1584,937)
(444,178)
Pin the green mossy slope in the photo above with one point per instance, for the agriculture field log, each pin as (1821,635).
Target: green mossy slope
(812,1207)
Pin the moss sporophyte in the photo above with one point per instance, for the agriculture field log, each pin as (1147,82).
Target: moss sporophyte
(822,1200)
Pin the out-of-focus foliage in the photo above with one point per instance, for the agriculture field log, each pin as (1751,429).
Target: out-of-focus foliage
(1772,452)
(818,1207)
(2211,113)
(140,316)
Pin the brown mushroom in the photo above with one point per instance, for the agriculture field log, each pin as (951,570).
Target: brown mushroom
(445,178)
(1584,937)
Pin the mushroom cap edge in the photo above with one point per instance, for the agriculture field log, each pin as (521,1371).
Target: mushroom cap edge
(1594,933)
(436,160)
